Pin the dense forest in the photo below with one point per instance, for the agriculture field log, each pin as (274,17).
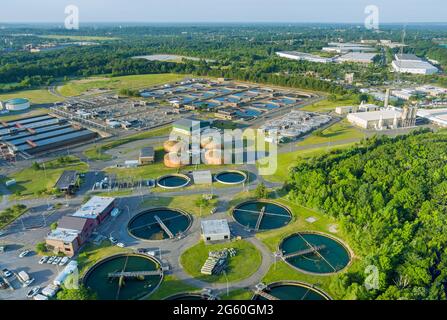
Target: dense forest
(390,196)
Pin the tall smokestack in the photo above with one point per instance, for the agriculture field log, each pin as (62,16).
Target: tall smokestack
(387,98)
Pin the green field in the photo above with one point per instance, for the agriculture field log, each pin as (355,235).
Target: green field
(287,160)
(342,130)
(327,106)
(170,286)
(10,214)
(32,183)
(36,96)
(77,87)
(244,264)
(97,152)
(77,38)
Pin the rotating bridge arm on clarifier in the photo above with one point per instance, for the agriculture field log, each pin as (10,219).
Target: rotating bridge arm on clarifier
(324,259)
(313,249)
(164,227)
(266,295)
(261,215)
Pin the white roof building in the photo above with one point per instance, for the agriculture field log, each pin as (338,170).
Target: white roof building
(410,63)
(202,177)
(295,55)
(376,119)
(358,57)
(437,116)
(215,230)
(95,207)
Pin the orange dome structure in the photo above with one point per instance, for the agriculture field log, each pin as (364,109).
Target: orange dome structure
(173,160)
(172,146)
(214,157)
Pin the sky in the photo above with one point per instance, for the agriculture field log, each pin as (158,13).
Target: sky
(154,11)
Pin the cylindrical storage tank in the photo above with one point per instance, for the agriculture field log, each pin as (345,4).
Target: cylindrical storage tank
(173,160)
(17,104)
(172,146)
(214,157)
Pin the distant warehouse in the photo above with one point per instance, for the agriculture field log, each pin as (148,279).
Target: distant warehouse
(358,57)
(295,55)
(409,63)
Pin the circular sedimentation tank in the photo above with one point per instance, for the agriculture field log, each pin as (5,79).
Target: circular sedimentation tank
(121,277)
(146,225)
(315,253)
(188,297)
(173,181)
(290,290)
(262,215)
(231,177)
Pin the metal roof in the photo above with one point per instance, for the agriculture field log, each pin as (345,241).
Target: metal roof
(210,227)
(147,152)
(67,179)
(94,207)
(202,177)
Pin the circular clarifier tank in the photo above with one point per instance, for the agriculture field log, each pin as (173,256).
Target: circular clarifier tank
(262,215)
(124,277)
(231,177)
(189,297)
(173,181)
(289,290)
(315,253)
(159,224)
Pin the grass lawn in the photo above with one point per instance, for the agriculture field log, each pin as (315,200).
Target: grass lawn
(286,161)
(240,294)
(77,87)
(97,152)
(32,112)
(339,131)
(31,182)
(36,96)
(10,214)
(186,203)
(326,105)
(170,286)
(243,265)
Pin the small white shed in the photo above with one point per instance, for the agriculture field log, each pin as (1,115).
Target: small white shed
(215,230)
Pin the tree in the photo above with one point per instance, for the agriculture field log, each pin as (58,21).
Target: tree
(202,202)
(82,293)
(36,166)
(53,226)
(261,191)
(41,247)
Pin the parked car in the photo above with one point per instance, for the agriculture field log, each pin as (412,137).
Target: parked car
(57,260)
(24,253)
(64,261)
(50,290)
(34,291)
(113,240)
(40,297)
(6,272)
(121,245)
(43,260)
(2,249)
(51,259)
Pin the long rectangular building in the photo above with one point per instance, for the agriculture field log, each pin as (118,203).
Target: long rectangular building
(295,55)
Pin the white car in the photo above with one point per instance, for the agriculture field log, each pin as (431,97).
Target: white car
(113,240)
(57,260)
(43,260)
(121,245)
(34,291)
(64,261)
(24,253)
(6,273)
(51,259)
(40,297)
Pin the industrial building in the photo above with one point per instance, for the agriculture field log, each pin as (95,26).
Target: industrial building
(187,126)
(67,181)
(357,57)
(97,209)
(17,104)
(295,55)
(147,156)
(436,116)
(341,47)
(384,119)
(409,63)
(39,134)
(215,230)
